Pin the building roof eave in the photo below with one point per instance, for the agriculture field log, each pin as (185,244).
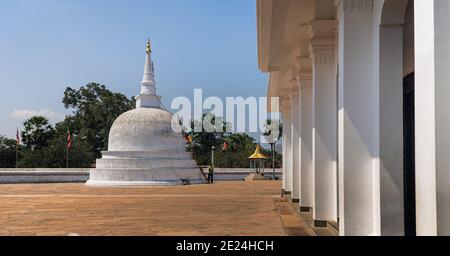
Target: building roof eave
(264,27)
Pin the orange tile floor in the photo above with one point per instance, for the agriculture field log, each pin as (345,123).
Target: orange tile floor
(224,208)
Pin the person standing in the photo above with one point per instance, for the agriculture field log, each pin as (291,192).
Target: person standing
(210,174)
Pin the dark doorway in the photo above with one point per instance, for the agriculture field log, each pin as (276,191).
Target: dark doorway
(409,179)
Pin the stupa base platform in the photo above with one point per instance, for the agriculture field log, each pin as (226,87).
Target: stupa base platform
(98,183)
(145,168)
(162,176)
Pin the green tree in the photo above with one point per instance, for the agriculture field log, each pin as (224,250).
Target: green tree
(37,134)
(33,158)
(54,155)
(94,110)
(7,152)
(45,146)
(273,133)
(240,147)
(204,141)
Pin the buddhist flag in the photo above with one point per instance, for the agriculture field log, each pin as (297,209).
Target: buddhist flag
(188,138)
(69,139)
(225,146)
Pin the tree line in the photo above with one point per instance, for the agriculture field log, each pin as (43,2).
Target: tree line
(231,150)
(93,110)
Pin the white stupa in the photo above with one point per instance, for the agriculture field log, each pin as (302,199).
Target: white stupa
(142,148)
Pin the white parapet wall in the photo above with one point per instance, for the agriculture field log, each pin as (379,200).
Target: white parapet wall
(236,174)
(81,175)
(43,175)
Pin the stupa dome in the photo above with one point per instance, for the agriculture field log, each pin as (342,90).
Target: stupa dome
(144,129)
(143,148)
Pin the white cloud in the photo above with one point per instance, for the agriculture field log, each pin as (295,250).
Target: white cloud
(24,114)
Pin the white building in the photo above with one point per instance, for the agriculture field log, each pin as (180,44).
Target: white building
(364,87)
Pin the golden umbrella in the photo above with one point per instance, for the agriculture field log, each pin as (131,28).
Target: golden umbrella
(257,159)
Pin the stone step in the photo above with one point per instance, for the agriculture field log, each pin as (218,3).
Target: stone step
(258,177)
(176,169)
(145,163)
(146,154)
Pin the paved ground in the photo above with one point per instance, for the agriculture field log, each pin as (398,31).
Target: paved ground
(293,224)
(226,208)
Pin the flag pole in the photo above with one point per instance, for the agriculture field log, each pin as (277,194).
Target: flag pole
(273,160)
(17,147)
(17,155)
(225,148)
(212,156)
(67,157)
(69,144)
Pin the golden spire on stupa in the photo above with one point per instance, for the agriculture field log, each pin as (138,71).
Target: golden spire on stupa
(149,47)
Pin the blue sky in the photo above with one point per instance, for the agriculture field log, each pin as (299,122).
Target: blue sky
(47,45)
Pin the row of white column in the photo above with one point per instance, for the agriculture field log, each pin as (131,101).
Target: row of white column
(310,130)
(332,136)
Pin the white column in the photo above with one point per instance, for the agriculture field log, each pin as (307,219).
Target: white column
(324,121)
(287,130)
(307,177)
(358,172)
(283,155)
(432,96)
(295,142)
(391,130)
